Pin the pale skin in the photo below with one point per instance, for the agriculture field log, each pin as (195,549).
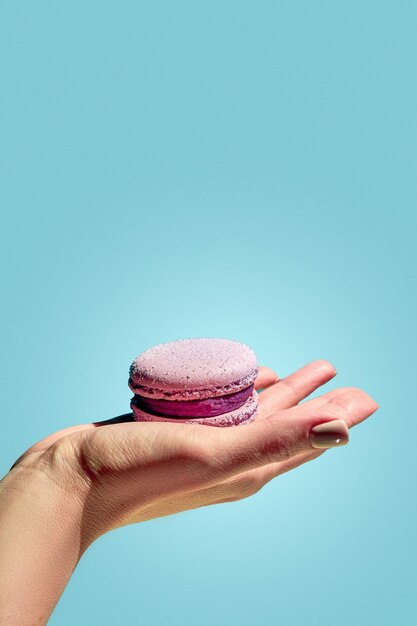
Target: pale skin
(81,482)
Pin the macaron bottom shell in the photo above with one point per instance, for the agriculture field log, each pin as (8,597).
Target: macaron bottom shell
(243,415)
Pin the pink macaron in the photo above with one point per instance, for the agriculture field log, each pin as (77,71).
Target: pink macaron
(206,381)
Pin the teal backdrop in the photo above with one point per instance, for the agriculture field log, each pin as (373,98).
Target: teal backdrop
(226,169)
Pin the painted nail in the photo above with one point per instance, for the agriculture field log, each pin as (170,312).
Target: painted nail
(329,434)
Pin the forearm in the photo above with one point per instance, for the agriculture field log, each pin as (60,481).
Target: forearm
(40,544)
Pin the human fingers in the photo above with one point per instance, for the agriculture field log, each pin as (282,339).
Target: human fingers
(256,478)
(286,434)
(247,483)
(288,391)
(266,377)
(330,396)
(345,397)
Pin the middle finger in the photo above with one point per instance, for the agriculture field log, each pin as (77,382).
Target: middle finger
(295,387)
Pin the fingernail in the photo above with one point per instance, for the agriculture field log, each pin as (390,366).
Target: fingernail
(329,434)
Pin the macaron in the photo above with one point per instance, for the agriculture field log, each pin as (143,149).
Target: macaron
(207,381)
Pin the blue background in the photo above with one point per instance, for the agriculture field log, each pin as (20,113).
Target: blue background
(231,169)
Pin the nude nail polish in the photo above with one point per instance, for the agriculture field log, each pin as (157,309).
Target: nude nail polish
(329,435)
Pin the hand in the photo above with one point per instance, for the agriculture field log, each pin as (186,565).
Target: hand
(83,481)
(126,472)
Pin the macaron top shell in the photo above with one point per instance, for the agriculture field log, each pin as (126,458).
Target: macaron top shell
(193,368)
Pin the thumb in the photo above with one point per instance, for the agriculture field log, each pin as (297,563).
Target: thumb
(293,431)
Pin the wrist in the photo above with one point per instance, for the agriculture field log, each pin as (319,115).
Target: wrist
(42,538)
(48,490)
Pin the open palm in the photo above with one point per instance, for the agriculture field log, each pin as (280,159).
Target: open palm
(128,471)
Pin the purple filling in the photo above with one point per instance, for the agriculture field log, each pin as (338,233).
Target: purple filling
(209,407)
